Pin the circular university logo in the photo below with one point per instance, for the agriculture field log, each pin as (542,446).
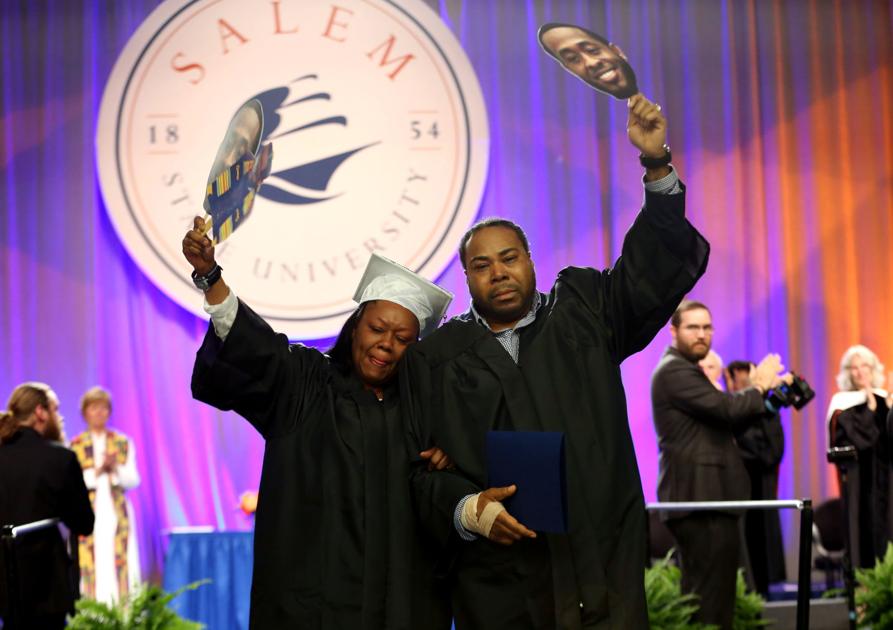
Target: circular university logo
(379,133)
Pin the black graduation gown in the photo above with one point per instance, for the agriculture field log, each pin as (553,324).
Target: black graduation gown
(41,479)
(335,546)
(870,481)
(761,444)
(459,383)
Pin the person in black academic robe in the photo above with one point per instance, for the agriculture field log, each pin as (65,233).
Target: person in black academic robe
(335,542)
(858,416)
(870,479)
(465,380)
(761,444)
(40,479)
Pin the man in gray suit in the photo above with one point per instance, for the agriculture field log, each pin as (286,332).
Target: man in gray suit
(699,460)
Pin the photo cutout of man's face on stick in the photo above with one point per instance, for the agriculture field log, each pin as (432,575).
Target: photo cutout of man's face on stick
(239,168)
(595,60)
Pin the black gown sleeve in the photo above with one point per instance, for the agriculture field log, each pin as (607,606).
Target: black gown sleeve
(434,493)
(635,299)
(76,511)
(258,374)
(668,220)
(859,426)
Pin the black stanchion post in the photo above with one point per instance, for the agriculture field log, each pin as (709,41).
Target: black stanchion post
(12,577)
(804,573)
(804,578)
(843,457)
(849,580)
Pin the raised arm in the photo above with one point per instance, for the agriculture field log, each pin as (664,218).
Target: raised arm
(243,365)
(199,251)
(662,255)
(646,128)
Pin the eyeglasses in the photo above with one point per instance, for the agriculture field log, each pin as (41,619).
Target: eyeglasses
(707,328)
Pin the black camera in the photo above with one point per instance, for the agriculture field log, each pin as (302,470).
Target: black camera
(798,393)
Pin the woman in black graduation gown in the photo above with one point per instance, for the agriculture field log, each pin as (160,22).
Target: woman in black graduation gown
(857,416)
(335,541)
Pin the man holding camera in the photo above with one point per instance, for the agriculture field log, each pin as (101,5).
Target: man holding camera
(699,460)
(761,444)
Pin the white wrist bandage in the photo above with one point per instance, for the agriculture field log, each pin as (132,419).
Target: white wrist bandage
(470,520)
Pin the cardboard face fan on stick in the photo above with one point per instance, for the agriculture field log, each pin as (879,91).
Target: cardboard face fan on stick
(237,173)
(593,59)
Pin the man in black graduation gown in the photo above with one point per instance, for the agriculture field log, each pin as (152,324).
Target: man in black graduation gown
(524,360)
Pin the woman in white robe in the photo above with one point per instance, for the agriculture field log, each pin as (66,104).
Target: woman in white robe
(109,559)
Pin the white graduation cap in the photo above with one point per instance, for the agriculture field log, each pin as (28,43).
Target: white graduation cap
(386,280)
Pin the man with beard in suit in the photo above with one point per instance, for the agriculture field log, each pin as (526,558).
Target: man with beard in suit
(699,460)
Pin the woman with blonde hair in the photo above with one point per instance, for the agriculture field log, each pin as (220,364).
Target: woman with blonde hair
(39,479)
(858,416)
(110,566)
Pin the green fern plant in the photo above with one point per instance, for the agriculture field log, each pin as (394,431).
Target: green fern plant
(748,607)
(874,595)
(144,609)
(668,608)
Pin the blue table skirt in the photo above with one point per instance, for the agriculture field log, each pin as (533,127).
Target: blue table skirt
(223,557)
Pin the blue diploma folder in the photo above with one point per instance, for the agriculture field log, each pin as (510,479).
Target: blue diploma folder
(534,462)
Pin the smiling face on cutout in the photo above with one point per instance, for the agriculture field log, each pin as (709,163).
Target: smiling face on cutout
(601,64)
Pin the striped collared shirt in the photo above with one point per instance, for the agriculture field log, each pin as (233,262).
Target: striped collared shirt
(510,338)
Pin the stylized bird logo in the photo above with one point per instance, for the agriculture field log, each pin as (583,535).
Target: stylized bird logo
(306,183)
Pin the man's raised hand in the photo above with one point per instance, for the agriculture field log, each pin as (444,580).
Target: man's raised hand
(646,126)
(766,375)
